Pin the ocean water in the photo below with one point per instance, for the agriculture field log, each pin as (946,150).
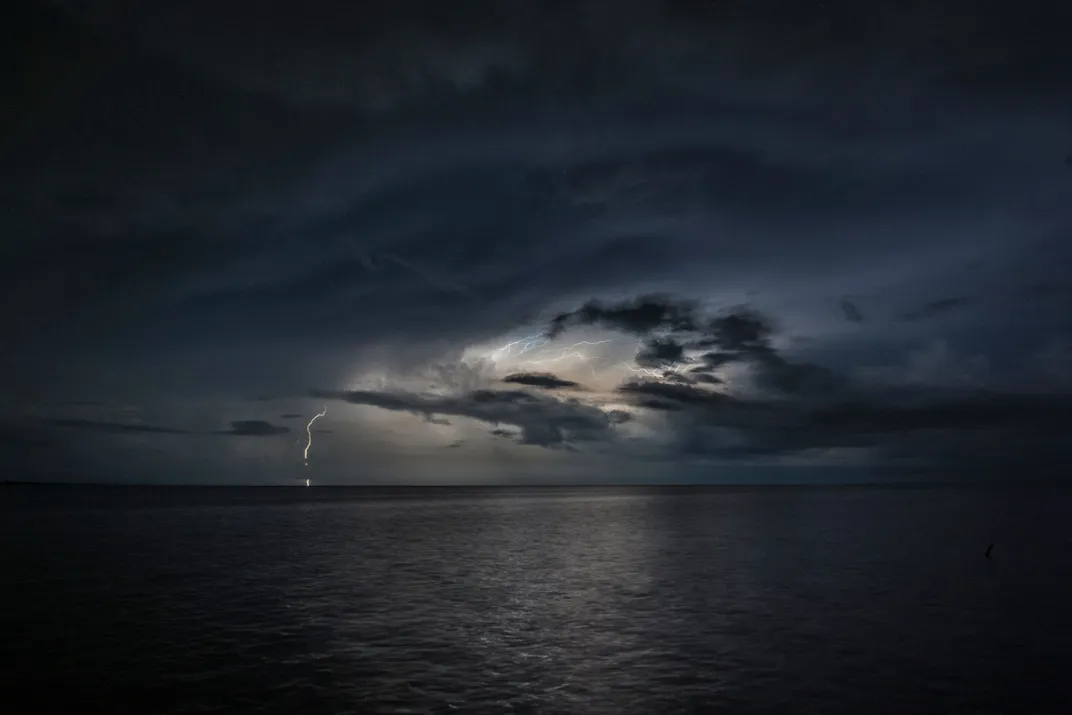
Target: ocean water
(601,600)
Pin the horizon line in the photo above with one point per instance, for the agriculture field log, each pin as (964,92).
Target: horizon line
(646,485)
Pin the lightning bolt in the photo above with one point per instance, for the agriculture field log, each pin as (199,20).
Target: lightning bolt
(535,342)
(527,343)
(570,351)
(659,372)
(563,351)
(309,431)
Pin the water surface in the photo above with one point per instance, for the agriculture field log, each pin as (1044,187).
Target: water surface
(588,600)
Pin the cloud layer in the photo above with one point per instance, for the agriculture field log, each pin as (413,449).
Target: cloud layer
(770,211)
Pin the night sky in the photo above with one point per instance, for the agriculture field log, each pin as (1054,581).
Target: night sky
(589,242)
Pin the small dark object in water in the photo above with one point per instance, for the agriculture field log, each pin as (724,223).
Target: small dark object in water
(989,549)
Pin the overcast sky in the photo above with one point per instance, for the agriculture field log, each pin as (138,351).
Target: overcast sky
(602,241)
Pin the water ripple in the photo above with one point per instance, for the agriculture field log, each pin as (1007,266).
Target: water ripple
(631,602)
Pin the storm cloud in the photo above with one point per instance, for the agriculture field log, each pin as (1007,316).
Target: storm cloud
(726,221)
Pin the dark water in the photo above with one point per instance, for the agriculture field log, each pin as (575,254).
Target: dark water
(542,601)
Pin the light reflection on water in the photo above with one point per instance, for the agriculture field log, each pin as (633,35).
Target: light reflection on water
(615,601)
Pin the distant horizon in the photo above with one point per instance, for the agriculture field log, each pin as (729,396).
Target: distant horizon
(564,485)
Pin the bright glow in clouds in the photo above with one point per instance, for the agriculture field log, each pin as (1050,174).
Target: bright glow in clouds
(520,346)
(309,431)
(598,360)
(573,352)
(579,351)
(535,353)
(606,362)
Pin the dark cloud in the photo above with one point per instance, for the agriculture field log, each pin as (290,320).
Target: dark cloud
(935,308)
(639,316)
(247,171)
(254,428)
(775,373)
(973,411)
(681,394)
(657,405)
(851,311)
(732,427)
(659,352)
(744,336)
(539,379)
(741,335)
(742,329)
(811,407)
(290,416)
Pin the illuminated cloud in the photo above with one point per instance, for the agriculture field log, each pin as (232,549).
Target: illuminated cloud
(543,420)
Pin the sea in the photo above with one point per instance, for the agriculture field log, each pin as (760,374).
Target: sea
(856,600)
